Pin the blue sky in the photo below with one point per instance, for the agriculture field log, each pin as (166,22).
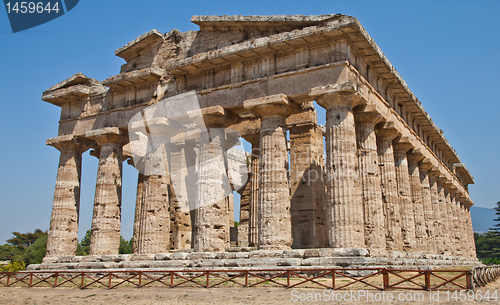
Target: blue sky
(447,52)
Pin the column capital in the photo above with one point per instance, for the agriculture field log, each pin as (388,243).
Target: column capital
(70,142)
(441,179)
(402,144)
(278,105)
(368,115)
(387,130)
(415,155)
(343,94)
(108,135)
(425,164)
(218,116)
(435,172)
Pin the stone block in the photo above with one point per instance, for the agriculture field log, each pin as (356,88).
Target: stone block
(163,256)
(349,252)
(297,253)
(143,257)
(179,255)
(202,255)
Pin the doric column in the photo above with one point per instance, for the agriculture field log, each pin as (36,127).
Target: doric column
(373,208)
(455,211)
(442,205)
(212,213)
(63,230)
(154,216)
(386,132)
(274,192)
(414,156)
(438,220)
(401,146)
(344,193)
(105,238)
(182,161)
(307,180)
(449,218)
(138,210)
(430,237)
(244,192)
(469,232)
(253,183)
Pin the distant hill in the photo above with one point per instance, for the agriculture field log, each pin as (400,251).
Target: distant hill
(482,219)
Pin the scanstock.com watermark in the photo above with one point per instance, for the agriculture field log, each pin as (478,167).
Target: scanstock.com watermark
(25,15)
(456,296)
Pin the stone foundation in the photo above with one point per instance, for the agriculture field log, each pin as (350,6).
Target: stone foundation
(250,258)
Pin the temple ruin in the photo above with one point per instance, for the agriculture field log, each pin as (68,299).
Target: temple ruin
(385,186)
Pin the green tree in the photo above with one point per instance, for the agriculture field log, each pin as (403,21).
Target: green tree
(85,244)
(35,253)
(24,240)
(125,246)
(10,253)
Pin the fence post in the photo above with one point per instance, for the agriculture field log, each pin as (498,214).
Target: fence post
(333,279)
(385,276)
(55,281)
(208,279)
(427,275)
(246,278)
(469,280)
(31,279)
(140,279)
(287,278)
(81,285)
(109,285)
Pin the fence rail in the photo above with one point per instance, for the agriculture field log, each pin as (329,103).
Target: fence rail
(484,275)
(372,278)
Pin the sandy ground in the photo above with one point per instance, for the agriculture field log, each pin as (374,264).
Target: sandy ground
(158,295)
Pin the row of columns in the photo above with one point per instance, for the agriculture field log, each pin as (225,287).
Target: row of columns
(381,193)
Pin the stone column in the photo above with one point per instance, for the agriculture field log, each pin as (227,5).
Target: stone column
(430,237)
(470,233)
(63,230)
(438,224)
(307,182)
(253,225)
(105,238)
(344,193)
(212,213)
(274,192)
(245,193)
(444,214)
(449,218)
(414,156)
(401,146)
(138,210)
(455,211)
(386,132)
(373,208)
(181,214)
(154,216)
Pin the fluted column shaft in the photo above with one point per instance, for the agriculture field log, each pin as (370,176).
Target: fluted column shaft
(253,227)
(63,230)
(417,201)
(430,237)
(438,224)
(470,235)
(373,208)
(211,220)
(405,200)
(307,186)
(138,212)
(443,212)
(394,239)
(274,195)
(344,194)
(449,221)
(105,238)
(181,160)
(455,212)
(154,221)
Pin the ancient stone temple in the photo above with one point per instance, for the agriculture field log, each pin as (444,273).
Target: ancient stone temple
(377,184)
